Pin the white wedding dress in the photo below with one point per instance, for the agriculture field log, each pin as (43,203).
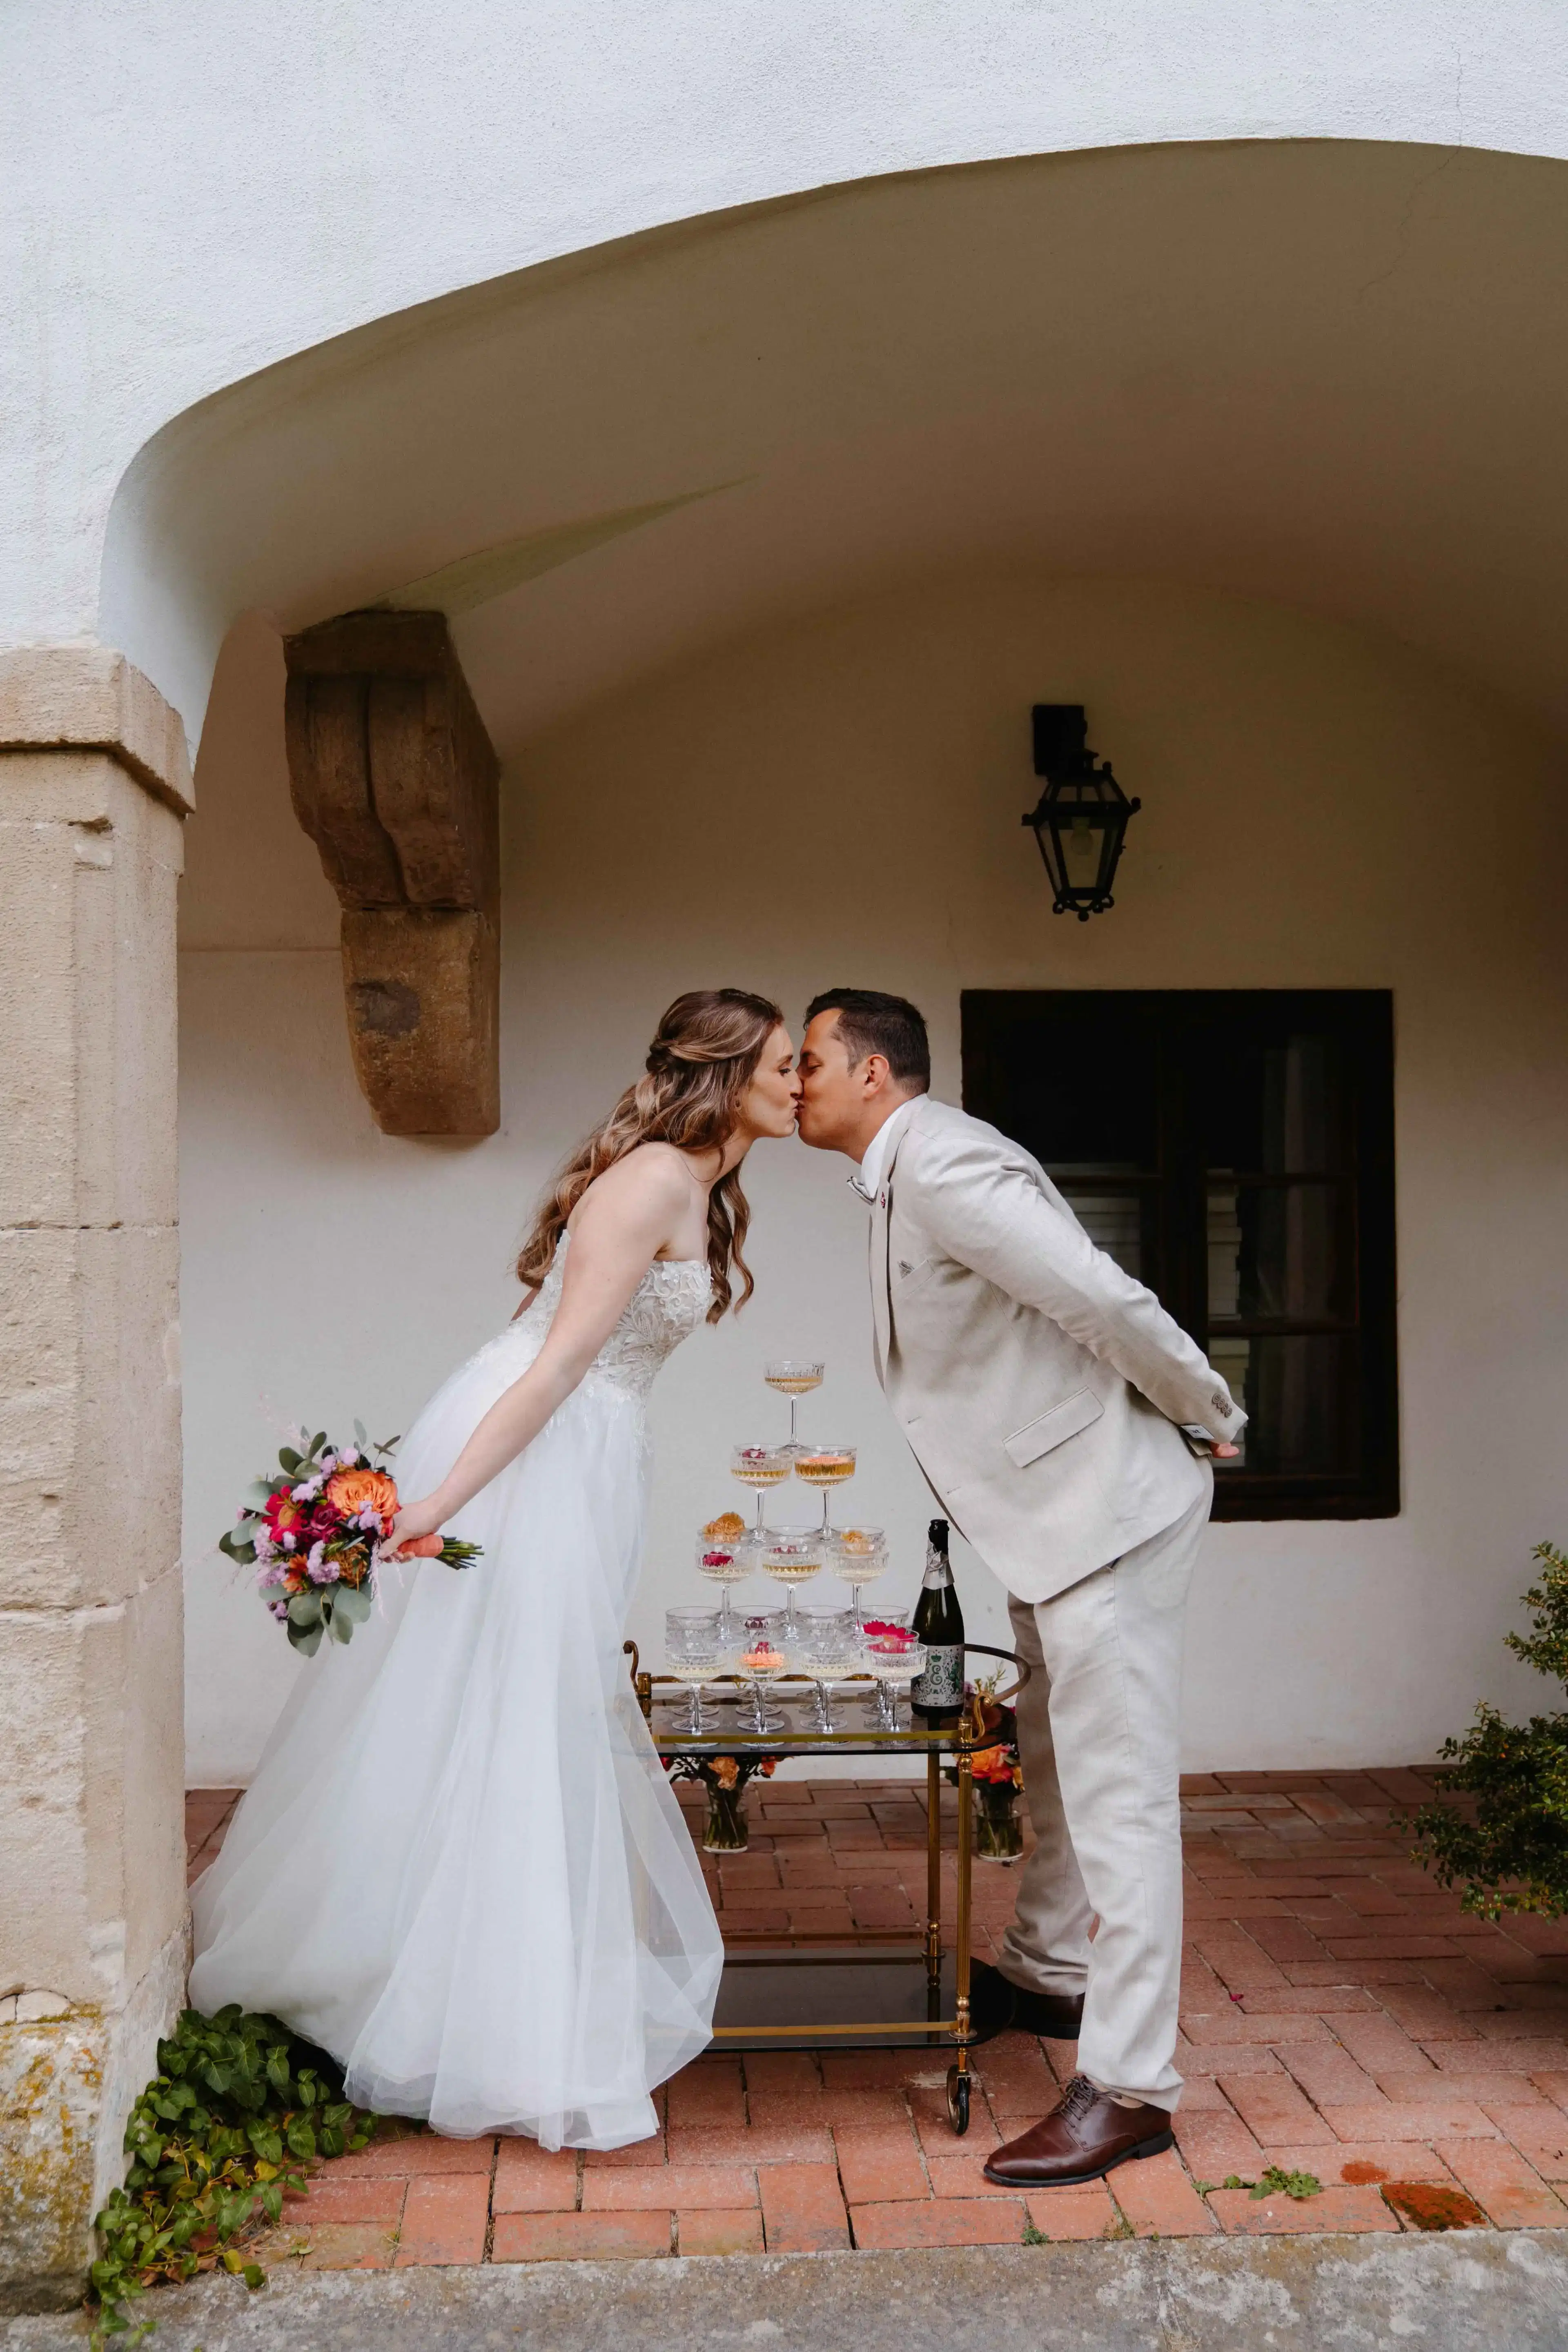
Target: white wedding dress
(460,1868)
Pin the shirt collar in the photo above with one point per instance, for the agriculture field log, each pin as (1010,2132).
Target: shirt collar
(879,1151)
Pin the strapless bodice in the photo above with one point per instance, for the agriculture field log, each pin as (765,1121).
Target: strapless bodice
(668,1304)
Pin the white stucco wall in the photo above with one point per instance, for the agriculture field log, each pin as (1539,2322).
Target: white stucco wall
(837,801)
(193,193)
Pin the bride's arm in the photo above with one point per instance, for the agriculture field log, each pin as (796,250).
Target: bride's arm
(624,1222)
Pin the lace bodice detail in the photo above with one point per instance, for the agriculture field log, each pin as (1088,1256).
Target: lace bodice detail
(666,1308)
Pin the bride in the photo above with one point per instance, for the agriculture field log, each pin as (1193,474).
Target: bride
(460,1869)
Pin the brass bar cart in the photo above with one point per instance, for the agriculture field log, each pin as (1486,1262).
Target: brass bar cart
(858,1988)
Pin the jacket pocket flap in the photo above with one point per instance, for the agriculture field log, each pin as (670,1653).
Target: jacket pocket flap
(1063,1420)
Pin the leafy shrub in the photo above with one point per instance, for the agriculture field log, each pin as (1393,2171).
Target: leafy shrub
(238,2108)
(1511,1848)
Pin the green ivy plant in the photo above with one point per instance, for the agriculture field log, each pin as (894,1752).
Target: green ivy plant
(1509,1848)
(238,2108)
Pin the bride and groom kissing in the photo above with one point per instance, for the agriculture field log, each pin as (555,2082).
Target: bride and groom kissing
(460,1869)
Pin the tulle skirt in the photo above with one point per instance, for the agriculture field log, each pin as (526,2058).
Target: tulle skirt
(460,1869)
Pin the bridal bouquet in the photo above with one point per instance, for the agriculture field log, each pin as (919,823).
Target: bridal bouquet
(313,1532)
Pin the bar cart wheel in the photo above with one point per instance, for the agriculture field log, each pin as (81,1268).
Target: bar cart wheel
(958,2100)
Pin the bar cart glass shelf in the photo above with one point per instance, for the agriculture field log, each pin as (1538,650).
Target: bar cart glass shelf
(858,1988)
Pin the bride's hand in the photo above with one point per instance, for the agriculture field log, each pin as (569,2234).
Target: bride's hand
(413,1534)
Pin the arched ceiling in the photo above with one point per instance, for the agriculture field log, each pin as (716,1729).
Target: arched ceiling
(1330,372)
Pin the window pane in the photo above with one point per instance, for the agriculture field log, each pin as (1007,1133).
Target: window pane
(1083,1091)
(1295,1392)
(1114,1222)
(1275,1107)
(1279,1250)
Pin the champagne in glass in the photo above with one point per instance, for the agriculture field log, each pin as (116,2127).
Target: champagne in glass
(760,1467)
(695,1655)
(760,1660)
(828,1645)
(794,1377)
(860,1555)
(793,1558)
(825,1467)
(726,1556)
(895,1658)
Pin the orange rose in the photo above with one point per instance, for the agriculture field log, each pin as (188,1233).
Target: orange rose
(353,1491)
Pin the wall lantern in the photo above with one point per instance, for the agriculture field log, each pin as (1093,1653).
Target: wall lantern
(1082,813)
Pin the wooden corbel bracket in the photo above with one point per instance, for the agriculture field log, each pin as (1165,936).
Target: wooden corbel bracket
(394,780)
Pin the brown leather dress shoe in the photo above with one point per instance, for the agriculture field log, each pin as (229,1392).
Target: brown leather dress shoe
(1083,2137)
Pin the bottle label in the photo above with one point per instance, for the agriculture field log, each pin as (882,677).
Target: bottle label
(941,1683)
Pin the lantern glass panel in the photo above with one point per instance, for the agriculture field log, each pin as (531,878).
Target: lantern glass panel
(1082,838)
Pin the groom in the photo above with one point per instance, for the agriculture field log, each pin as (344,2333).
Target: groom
(1066,1424)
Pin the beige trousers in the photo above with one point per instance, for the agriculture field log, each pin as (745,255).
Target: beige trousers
(1099,1731)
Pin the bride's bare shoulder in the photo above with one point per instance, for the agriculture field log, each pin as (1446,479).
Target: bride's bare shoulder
(651,1178)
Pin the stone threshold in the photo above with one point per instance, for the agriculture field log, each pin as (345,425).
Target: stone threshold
(1438,2293)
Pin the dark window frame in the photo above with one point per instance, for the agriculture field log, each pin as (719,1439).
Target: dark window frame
(1176,1034)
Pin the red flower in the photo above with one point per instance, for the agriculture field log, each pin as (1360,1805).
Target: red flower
(284,1516)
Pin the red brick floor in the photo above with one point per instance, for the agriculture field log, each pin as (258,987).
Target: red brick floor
(1341,2016)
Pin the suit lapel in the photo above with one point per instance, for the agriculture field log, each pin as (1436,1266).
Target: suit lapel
(881,1285)
(878,1245)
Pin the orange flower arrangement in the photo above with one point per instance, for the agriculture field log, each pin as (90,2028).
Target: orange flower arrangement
(314,1531)
(354,1491)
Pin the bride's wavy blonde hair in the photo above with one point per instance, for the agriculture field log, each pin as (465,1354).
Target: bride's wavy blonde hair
(702,1059)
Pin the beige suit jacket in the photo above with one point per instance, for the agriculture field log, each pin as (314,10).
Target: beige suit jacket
(1042,1389)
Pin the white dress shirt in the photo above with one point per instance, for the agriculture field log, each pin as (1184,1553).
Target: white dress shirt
(878,1151)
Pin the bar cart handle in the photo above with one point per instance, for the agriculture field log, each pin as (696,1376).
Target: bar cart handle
(642,1684)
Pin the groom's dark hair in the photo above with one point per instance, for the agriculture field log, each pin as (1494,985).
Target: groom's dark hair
(870,1022)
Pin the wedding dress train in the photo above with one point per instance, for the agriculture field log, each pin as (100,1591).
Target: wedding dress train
(460,1869)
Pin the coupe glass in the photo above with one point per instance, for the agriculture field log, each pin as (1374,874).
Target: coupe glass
(760,1467)
(860,1555)
(793,1556)
(694,1653)
(726,1555)
(825,1467)
(895,1659)
(794,1377)
(828,1645)
(759,1659)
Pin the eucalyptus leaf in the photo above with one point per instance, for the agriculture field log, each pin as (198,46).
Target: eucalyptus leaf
(342,1626)
(360,1440)
(352,1601)
(308,1644)
(288,1458)
(305,1609)
(258,1494)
